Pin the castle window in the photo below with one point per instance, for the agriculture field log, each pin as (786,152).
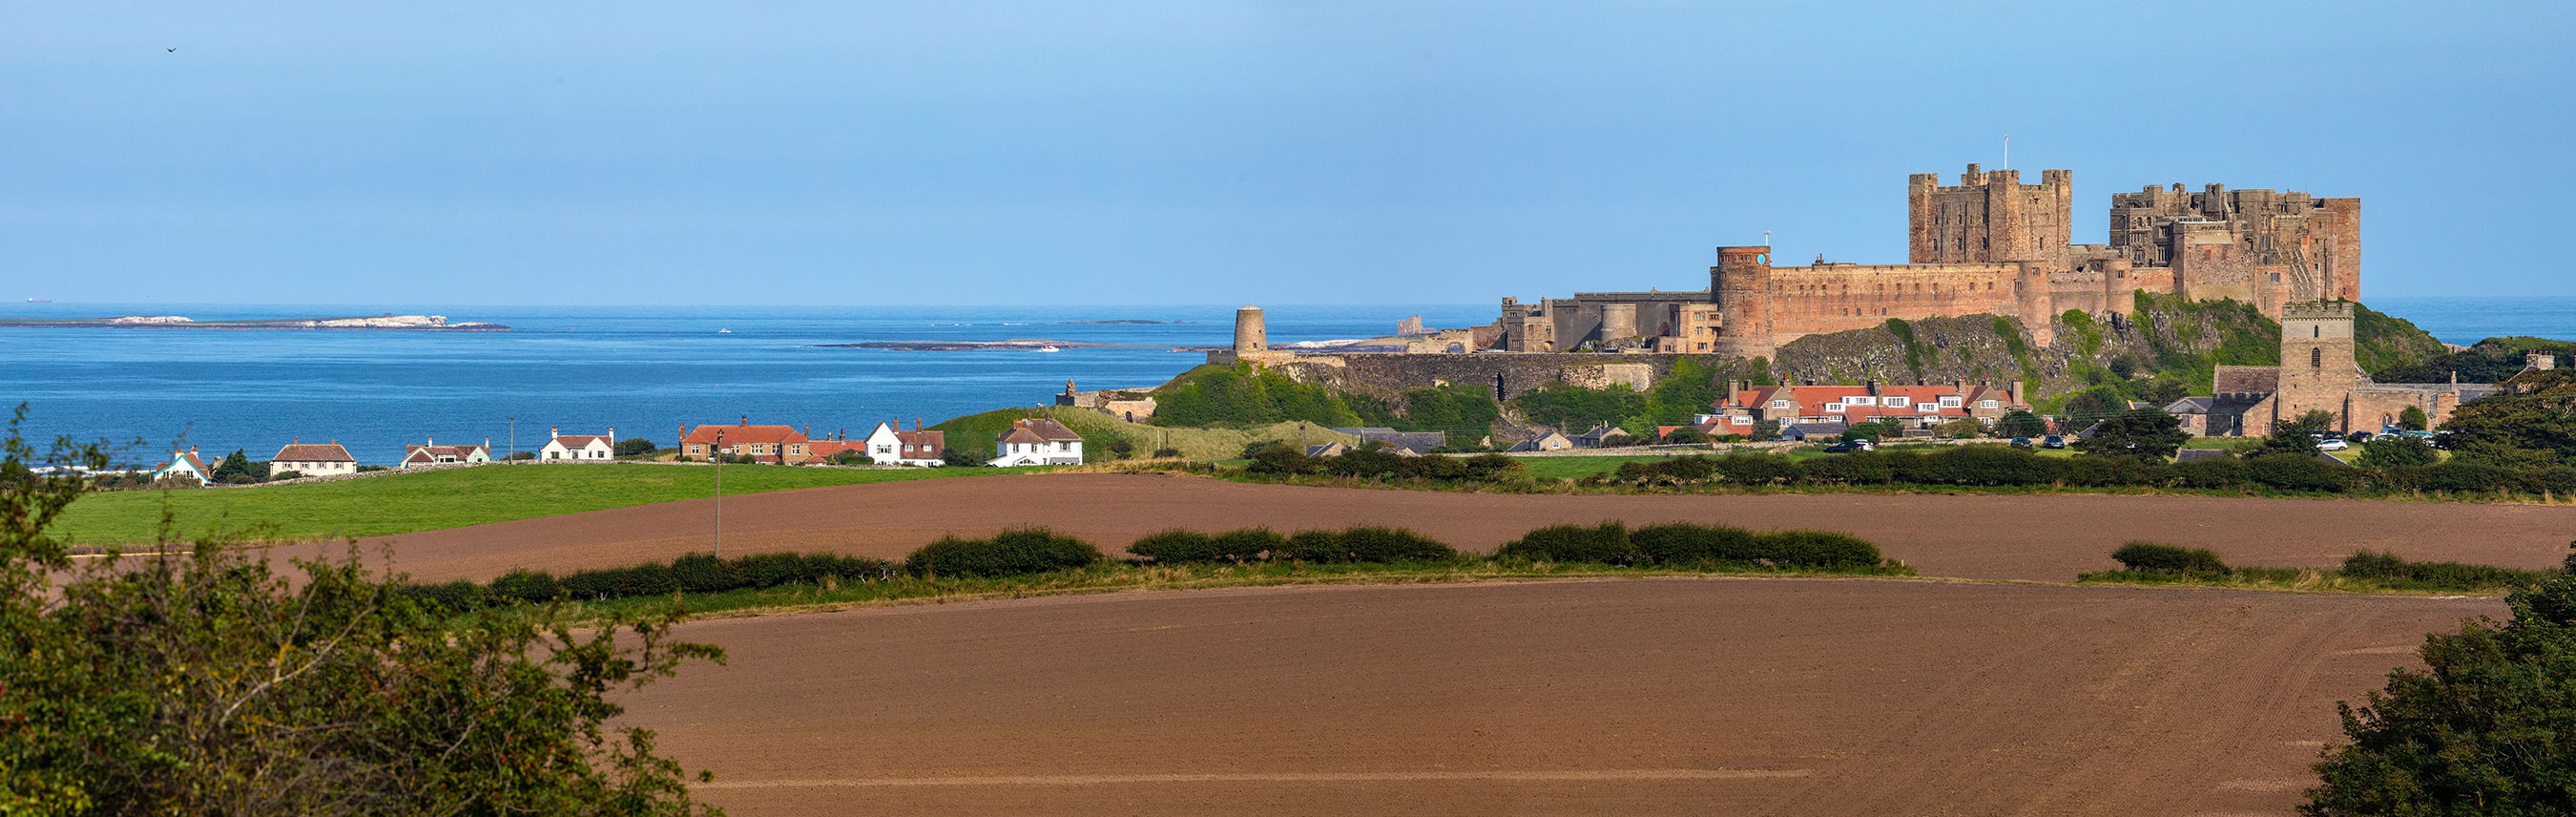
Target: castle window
(2316,358)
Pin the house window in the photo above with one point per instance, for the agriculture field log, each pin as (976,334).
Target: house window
(1900,402)
(1779,404)
(1986,404)
(1862,401)
(1950,402)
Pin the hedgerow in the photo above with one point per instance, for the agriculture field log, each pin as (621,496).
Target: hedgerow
(2001,466)
(1033,550)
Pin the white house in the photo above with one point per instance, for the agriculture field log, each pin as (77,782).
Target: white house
(313,459)
(185,465)
(415,456)
(1037,441)
(561,447)
(888,445)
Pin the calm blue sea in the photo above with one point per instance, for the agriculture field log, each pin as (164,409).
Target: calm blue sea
(645,371)
(649,370)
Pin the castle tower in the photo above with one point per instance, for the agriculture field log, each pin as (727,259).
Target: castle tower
(1251,332)
(1741,286)
(2317,368)
(1989,217)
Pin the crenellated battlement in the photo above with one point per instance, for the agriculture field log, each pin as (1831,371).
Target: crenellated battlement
(2317,310)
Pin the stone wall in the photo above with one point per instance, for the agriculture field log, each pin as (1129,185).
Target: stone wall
(1507,374)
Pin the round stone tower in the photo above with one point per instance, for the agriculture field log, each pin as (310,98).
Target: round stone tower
(1251,333)
(1741,286)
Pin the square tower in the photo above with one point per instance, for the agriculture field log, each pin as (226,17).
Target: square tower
(2317,368)
(1990,217)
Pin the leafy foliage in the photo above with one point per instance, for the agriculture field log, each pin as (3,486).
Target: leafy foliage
(2397,451)
(1244,394)
(2481,732)
(2144,434)
(1575,408)
(2152,557)
(204,683)
(1031,550)
(633,447)
(2532,422)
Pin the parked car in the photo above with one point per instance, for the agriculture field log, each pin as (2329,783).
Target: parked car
(2332,444)
(2053,441)
(2358,437)
(1849,446)
(2021,442)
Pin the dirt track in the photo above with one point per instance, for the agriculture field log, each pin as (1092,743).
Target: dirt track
(2047,538)
(1755,697)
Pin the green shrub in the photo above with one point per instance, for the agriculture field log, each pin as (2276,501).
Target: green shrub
(2151,557)
(648,580)
(1368,544)
(2224,472)
(2391,569)
(1250,544)
(2294,472)
(1607,543)
(771,569)
(703,573)
(1176,546)
(1806,548)
(2460,477)
(1755,469)
(1014,552)
(1683,543)
(1858,468)
(1312,546)
(594,584)
(526,585)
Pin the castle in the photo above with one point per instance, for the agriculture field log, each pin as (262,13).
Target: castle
(2318,372)
(1988,245)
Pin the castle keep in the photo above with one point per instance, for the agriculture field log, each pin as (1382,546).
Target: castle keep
(1987,245)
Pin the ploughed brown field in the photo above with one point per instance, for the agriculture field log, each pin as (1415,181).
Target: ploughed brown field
(2045,538)
(1638,696)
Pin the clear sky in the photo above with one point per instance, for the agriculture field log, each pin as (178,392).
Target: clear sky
(1206,152)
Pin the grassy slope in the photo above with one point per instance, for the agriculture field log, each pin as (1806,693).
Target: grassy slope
(404,503)
(974,433)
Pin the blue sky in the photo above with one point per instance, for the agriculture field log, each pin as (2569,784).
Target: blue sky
(1292,152)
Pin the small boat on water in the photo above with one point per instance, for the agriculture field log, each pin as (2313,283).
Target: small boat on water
(724,331)
(1049,348)
(40,300)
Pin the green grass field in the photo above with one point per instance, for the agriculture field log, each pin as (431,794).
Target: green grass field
(404,503)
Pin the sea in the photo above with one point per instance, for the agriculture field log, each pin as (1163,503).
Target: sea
(651,371)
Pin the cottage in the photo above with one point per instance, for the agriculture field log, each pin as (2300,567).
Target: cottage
(1801,431)
(1417,441)
(1550,441)
(431,453)
(1602,435)
(313,459)
(1907,406)
(891,445)
(775,445)
(1036,441)
(186,465)
(561,447)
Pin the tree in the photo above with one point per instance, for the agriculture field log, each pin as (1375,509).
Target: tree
(1766,429)
(2146,435)
(238,469)
(1686,435)
(2019,423)
(2090,405)
(1965,428)
(2483,732)
(634,447)
(2531,422)
(205,683)
(958,458)
(849,458)
(2413,419)
(1575,408)
(2397,451)
(2298,436)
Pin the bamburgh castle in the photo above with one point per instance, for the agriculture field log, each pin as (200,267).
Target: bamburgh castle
(1988,245)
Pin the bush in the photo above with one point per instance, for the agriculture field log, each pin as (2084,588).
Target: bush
(1248,544)
(771,569)
(703,573)
(1607,543)
(1754,469)
(1167,453)
(1015,552)
(2151,557)
(648,580)
(1682,543)
(527,585)
(1176,546)
(2293,472)
(1361,544)
(454,597)
(2460,477)
(594,584)
(1858,468)
(1806,548)
(2392,569)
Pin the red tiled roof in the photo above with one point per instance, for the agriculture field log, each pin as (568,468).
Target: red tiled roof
(313,452)
(826,448)
(1044,429)
(431,453)
(193,462)
(706,435)
(930,441)
(1021,435)
(581,440)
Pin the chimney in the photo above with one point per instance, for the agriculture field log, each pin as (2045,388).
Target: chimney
(612,436)
(1873,386)
(552,432)
(2013,390)
(1959,385)
(746,419)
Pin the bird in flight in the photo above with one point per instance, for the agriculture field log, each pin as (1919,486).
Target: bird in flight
(174,51)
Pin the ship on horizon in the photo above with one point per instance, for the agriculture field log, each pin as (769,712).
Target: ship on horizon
(40,300)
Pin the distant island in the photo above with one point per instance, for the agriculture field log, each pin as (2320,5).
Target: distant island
(1023,344)
(387,321)
(1123,323)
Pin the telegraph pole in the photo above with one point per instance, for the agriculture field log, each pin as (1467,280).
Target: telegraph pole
(719,456)
(514,441)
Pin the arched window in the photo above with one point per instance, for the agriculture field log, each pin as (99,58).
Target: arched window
(2316,358)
